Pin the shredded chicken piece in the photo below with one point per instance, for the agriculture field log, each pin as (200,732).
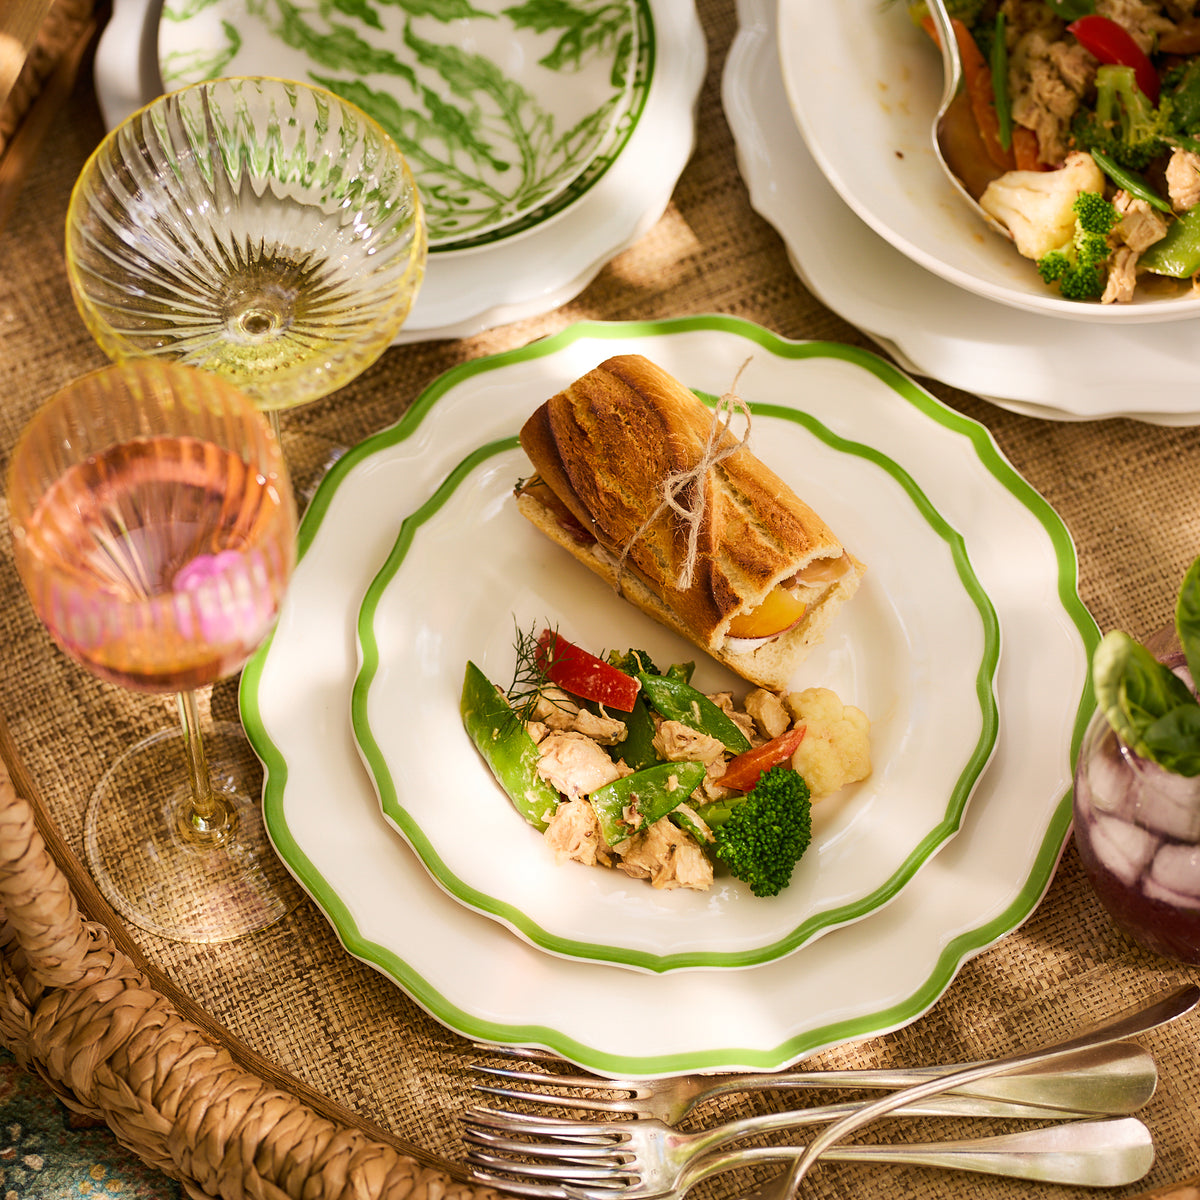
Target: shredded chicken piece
(574,835)
(1183,179)
(1122,276)
(668,857)
(556,710)
(1048,78)
(676,742)
(1144,20)
(574,764)
(1180,9)
(769,713)
(1140,225)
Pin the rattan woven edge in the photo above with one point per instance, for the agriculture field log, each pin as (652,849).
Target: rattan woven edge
(79,1007)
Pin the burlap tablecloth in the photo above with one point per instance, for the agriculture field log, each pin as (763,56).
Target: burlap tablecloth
(1128,492)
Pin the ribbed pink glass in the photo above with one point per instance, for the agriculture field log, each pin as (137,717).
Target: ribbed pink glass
(154,529)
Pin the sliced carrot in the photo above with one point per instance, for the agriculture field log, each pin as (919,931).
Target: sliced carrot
(1026,150)
(977,76)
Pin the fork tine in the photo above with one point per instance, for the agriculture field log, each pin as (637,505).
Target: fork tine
(555,1079)
(588,1103)
(534,1053)
(538,1191)
(557,1127)
(518,1187)
(564,1151)
(563,1172)
(630,1089)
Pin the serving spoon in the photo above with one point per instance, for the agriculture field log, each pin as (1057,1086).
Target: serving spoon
(953,120)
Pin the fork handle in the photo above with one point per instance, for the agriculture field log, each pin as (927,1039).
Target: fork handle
(1109,1079)
(937,1106)
(1109,1152)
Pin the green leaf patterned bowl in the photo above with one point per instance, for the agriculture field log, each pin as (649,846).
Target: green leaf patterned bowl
(507,112)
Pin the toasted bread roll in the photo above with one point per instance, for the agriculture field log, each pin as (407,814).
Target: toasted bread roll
(768,574)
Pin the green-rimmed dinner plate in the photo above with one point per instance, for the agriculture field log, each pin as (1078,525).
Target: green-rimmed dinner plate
(856,981)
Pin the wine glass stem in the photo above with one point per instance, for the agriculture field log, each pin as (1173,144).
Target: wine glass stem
(209,815)
(276,428)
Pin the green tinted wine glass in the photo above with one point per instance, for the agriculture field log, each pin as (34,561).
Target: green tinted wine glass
(259,228)
(154,529)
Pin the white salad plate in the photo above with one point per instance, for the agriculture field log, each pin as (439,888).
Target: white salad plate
(504,119)
(475,976)
(552,251)
(1039,366)
(916,650)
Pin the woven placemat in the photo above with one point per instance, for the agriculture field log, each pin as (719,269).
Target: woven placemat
(1128,492)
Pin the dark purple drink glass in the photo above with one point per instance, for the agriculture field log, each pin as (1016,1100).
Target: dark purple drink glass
(1137,829)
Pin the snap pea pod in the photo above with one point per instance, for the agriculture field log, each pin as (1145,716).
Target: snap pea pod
(506,747)
(1177,253)
(654,792)
(1131,181)
(679,701)
(636,749)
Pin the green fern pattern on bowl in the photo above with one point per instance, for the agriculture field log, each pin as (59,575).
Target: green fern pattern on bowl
(507,112)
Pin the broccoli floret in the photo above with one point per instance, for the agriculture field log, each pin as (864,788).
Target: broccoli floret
(761,837)
(633,661)
(1079,267)
(1124,124)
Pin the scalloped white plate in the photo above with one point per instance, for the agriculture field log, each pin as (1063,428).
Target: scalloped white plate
(479,980)
(916,649)
(1057,370)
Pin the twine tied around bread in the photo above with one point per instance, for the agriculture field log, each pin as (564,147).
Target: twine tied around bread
(678,483)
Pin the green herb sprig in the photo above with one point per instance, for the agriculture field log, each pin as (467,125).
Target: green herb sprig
(1149,707)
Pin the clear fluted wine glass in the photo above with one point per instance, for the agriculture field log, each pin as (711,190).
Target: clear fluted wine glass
(154,529)
(263,229)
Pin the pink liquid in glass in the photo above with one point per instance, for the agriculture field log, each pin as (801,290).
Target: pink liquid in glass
(160,563)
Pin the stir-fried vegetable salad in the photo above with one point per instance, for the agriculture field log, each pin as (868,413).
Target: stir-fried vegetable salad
(622,765)
(1066,98)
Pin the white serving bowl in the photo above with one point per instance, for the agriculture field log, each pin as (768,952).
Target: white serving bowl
(864,84)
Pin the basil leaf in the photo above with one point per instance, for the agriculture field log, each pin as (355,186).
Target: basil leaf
(1134,690)
(1187,619)
(1174,741)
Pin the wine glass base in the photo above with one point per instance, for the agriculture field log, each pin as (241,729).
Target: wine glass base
(156,872)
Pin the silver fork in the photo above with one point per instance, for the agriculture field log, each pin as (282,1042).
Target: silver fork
(644,1159)
(1111,1079)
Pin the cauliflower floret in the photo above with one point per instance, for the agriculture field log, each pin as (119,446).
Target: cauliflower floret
(836,749)
(1036,206)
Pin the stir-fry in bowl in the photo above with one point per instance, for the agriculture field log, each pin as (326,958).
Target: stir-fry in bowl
(1078,129)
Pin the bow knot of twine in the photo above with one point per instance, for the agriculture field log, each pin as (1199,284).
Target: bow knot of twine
(686,492)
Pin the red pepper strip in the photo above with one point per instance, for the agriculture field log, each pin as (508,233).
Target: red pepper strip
(742,772)
(1113,44)
(584,675)
(977,76)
